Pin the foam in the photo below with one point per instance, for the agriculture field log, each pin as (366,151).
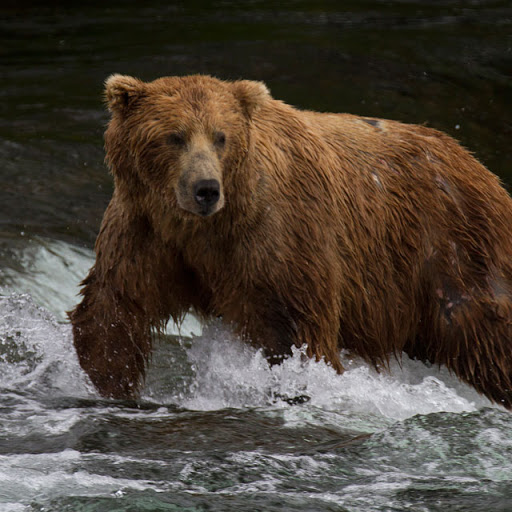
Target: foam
(229,373)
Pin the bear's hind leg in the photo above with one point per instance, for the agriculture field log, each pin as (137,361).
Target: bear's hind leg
(471,335)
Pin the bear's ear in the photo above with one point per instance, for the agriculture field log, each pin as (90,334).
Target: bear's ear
(251,95)
(121,91)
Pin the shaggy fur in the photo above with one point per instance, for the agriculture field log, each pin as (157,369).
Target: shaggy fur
(331,230)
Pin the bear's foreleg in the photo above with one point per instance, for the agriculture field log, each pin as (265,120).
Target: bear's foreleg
(112,337)
(136,284)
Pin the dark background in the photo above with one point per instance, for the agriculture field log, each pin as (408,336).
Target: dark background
(444,63)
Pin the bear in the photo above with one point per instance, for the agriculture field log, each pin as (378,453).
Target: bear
(297,228)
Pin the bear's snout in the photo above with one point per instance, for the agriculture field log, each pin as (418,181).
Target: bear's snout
(206,194)
(199,189)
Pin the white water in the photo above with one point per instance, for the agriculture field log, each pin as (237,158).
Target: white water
(59,441)
(228,373)
(231,374)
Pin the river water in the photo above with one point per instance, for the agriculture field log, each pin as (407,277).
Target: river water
(215,428)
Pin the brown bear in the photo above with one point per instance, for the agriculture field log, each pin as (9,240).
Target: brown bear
(296,227)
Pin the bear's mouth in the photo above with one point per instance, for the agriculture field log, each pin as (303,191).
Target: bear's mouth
(207,212)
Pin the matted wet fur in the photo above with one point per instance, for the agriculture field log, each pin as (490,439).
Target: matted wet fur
(297,227)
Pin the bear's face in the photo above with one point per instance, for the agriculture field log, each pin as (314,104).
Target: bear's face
(181,138)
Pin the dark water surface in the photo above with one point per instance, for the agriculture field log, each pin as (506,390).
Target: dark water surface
(214,429)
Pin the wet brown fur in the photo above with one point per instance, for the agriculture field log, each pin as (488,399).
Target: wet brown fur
(335,231)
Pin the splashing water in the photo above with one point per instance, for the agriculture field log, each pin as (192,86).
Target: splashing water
(230,373)
(219,370)
(36,352)
(217,428)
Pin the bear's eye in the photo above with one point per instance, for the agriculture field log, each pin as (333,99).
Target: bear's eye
(177,139)
(220,139)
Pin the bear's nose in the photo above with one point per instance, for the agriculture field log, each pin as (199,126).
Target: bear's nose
(207,192)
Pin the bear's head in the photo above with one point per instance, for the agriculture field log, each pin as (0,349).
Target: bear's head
(180,138)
